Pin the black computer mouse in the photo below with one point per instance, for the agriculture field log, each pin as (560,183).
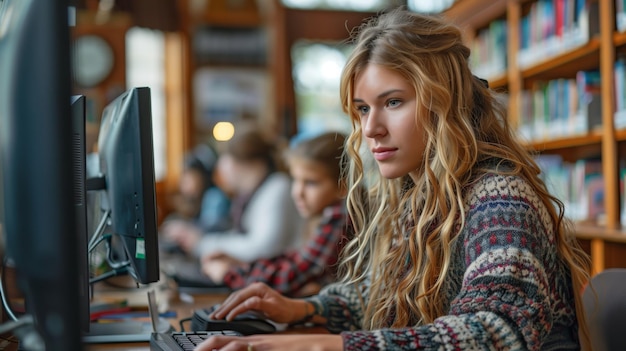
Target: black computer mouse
(247,323)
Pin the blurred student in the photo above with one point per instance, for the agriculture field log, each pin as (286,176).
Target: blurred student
(199,198)
(319,193)
(263,214)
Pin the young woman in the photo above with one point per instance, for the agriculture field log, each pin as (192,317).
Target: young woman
(263,214)
(319,193)
(462,246)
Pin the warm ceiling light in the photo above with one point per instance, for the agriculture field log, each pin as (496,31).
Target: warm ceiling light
(223,131)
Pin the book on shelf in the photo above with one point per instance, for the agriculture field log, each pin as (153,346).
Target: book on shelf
(622,187)
(619,75)
(589,87)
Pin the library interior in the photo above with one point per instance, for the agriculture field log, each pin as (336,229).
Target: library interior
(158,87)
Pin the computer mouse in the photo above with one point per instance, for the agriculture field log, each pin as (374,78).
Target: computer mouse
(247,323)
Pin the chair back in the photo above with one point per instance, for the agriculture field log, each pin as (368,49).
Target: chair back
(604,301)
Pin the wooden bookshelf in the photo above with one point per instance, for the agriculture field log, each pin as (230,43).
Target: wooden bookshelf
(582,58)
(606,241)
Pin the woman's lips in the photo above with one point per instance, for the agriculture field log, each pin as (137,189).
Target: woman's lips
(383,153)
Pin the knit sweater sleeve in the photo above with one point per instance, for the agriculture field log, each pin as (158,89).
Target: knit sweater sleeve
(507,299)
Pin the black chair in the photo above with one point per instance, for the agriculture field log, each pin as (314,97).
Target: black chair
(605,308)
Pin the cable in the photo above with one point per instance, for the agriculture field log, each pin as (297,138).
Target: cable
(5,302)
(24,329)
(180,322)
(12,325)
(113,263)
(112,273)
(95,238)
(102,238)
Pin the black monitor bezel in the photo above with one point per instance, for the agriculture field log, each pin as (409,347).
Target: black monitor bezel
(36,162)
(126,155)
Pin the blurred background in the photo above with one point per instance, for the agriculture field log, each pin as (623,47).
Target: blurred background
(212,63)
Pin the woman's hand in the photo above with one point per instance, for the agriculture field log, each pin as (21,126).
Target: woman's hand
(273,342)
(181,232)
(262,298)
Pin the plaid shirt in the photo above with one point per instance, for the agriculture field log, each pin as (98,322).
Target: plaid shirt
(313,262)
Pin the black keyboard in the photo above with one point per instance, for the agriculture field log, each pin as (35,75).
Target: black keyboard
(183,341)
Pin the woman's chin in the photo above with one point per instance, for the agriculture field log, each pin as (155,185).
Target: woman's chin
(389,173)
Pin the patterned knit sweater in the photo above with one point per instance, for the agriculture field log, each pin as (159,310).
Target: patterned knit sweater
(507,289)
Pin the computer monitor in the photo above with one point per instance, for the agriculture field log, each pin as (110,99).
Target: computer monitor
(79,160)
(125,205)
(126,156)
(36,203)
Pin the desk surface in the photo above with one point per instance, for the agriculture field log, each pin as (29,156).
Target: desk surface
(168,299)
(184,306)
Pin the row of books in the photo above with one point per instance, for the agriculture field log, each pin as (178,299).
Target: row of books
(550,28)
(489,58)
(556,26)
(568,107)
(561,107)
(579,185)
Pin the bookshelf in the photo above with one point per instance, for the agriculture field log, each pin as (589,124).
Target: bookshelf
(583,39)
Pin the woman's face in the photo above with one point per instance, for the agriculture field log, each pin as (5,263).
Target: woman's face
(387,104)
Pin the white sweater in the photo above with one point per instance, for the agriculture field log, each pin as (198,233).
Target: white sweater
(271,220)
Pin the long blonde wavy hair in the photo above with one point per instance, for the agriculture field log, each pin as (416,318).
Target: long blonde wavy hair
(466,124)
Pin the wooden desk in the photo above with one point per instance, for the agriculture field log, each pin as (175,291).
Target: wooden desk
(184,308)
(167,295)
(168,299)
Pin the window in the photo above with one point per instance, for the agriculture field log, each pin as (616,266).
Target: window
(426,6)
(352,5)
(316,74)
(145,67)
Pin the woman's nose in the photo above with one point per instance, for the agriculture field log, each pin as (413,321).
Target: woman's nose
(373,125)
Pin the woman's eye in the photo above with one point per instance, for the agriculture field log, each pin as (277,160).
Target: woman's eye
(394,103)
(363,110)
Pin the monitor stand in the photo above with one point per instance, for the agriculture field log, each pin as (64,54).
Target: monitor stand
(131,330)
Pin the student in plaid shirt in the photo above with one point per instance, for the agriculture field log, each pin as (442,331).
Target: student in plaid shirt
(318,192)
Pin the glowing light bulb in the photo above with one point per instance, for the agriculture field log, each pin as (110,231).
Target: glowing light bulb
(223,131)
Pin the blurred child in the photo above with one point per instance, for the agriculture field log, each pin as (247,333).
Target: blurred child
(318,192)
(199,186)
(263,215)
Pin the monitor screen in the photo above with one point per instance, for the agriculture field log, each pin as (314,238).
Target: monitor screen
(126,156)
(37,210)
